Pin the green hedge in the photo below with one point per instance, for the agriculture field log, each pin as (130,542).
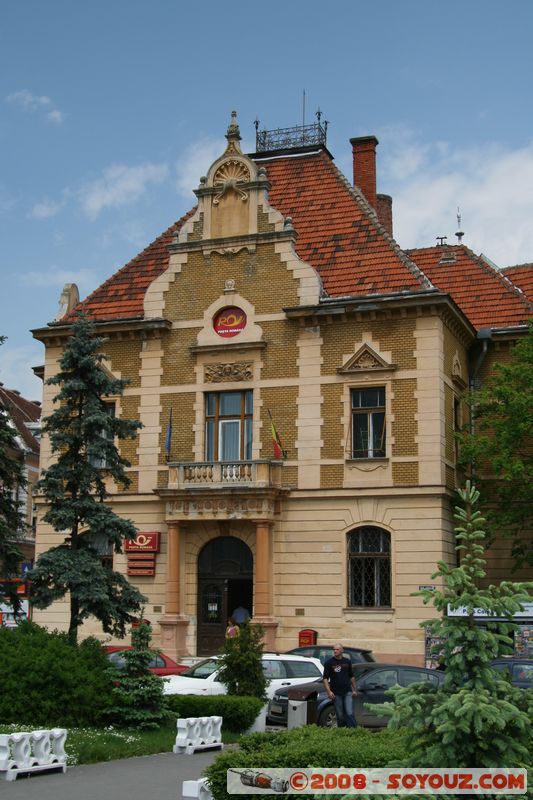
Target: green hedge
(238,712)
(308,746)
(46,681)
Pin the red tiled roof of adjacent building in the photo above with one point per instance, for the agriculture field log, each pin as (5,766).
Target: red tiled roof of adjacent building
(480,290)
(21,412)
(522,276)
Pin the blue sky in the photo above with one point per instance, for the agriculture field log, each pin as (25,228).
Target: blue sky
(111,111)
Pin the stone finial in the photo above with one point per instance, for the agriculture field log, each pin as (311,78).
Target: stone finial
(233,135)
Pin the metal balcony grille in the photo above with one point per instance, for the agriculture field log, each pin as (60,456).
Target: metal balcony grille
(369,568)
(290,138)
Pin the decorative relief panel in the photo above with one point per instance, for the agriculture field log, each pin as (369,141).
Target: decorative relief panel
(228,177)
(218,373)
(225,507)
(365,359)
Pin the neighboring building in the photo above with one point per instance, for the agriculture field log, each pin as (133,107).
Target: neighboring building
(522,276)
(25,417)
(283,297)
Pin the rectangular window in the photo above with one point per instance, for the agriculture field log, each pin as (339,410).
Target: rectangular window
(368,422)
(228,426)
(99,461)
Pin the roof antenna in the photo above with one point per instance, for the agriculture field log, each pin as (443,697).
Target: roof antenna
(459,233)
(441,240)
(303,110)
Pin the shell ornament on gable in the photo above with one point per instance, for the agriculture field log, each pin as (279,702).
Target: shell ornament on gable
(228,176)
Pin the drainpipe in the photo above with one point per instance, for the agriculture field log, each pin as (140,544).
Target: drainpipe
(484,335)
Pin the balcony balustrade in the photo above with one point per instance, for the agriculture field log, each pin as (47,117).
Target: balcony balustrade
(225,475)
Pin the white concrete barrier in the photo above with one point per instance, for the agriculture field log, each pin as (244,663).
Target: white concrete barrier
(32,751)
(198,733)
(196,790)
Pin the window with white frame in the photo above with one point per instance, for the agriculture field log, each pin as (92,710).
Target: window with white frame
(99,461)
(369,568)
(228,426)
(368,422)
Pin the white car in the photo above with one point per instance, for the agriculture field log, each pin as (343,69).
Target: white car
(280,670)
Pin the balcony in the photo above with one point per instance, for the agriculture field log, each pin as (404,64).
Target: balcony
(225,475)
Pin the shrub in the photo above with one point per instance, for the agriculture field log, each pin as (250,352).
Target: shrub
(238,713)
(308,746)
(45,680)
(241,667)
(138,699)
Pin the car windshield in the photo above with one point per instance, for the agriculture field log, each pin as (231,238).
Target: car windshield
(202,670)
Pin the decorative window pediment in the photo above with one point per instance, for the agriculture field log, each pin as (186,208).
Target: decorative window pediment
(365,360)
(457,372)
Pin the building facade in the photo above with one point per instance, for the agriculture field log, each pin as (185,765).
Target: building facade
(299,379)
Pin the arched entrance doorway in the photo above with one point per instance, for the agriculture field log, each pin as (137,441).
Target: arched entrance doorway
(225,581)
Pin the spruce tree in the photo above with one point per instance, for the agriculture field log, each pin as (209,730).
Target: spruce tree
(82,434)
(476,719)
(241,663)
(139,700)
(11,516)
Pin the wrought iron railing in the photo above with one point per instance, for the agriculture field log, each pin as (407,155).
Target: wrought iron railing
(288,138)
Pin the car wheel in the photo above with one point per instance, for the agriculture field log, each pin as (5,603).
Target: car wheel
(327,717)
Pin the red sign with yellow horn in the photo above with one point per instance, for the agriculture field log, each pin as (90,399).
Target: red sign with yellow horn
(229,321)
(144,542)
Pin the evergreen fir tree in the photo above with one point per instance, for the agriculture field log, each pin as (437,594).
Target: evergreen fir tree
(138,693)
(241,663)
(11,516)
(82,434)
(476,719)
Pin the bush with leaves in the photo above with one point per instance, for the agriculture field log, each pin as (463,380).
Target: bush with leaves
(241,664)
(138,699)
(238,713)
(45,680)
(308,746)
(477,718)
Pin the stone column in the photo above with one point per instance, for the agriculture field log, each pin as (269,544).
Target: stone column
(173,625)
(263,594)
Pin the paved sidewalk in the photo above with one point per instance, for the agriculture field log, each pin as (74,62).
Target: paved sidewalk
(145,778)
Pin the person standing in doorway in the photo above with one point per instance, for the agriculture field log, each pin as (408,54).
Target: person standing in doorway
(232,629)
(241,615)
(339,683)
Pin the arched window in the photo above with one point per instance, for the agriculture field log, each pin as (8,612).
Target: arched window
(369,568)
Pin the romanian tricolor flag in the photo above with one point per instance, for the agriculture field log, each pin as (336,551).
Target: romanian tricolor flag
(279,452)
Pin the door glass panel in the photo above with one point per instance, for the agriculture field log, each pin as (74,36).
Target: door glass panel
(302,669)
(229,445)
(248,439)
(273,669)
(210,440)
(212,604)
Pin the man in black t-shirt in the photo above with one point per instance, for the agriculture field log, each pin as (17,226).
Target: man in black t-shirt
(339,683)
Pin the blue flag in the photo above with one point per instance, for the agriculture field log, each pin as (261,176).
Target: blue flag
(168,437)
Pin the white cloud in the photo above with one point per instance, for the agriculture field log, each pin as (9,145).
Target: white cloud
(45,209)
(86,279)
(55,116)
(119,185)
(27,101)
(491,186)
(194,162)
(16,369)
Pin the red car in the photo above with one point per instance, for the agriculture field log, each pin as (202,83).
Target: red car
(160,664)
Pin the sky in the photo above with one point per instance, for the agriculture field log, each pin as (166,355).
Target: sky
(110,111)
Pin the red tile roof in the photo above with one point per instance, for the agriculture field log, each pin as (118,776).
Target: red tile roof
(484,295)
(340,236)
(522,276)
(21,411)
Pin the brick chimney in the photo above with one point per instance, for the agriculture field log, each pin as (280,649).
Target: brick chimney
(364,166)
(364,177)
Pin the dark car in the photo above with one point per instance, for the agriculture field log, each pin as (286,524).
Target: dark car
(160,664)
(357,655)
(519,669)
(373,682)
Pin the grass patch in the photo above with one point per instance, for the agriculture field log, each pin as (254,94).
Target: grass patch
(91,745)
